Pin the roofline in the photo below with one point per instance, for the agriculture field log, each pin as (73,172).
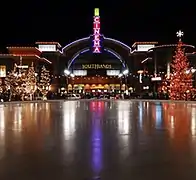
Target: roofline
(170,45)
(32,55)
(28,55)
(143,43)
(48,43)
(21,47)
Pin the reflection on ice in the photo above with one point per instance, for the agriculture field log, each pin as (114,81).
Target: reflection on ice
(2,132)
(193,121)
(172,122)
(2,121)
(69,113)
(158,115)
(110,139)
(17,122)
(140,114)
(123,117)
(97,115)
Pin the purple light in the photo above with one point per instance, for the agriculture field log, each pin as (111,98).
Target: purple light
(116,55)
(97,114)
(87,38)
(118,42)
(86,50)
(75,42)
(76,55)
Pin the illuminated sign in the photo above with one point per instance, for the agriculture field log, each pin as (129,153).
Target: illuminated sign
(47,47)
(156,79)
(23,67)
(80,72)
(96,32)
(144,47)
(2,71)
(96,66)
(113,72)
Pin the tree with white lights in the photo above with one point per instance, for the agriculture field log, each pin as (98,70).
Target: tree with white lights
(31,81)
(44,82)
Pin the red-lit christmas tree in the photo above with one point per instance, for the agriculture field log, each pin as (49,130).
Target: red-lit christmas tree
(180,87)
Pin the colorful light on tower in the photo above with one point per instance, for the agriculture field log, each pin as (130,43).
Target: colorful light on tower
(96,32)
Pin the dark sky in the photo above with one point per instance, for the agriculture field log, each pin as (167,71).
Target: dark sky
(125,20)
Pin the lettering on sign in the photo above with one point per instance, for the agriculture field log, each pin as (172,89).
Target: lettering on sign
(96,32)
(96,66)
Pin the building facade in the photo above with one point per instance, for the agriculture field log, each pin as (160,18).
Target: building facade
(98,63)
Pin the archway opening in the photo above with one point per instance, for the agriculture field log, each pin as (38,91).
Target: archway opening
(96,73)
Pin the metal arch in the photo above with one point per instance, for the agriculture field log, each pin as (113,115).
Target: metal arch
(116,55)
(76,55)
(105,49)
(74,42)
(118,42)
(87,38)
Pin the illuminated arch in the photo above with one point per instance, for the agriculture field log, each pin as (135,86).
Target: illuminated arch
(105,38)
(70,62)
(116,55)
(75,42)
(118,42)
(76,55)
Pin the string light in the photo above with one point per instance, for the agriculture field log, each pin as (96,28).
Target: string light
(44,83)
(21,81)
(179,84)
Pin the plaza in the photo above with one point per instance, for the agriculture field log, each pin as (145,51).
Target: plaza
(101,139)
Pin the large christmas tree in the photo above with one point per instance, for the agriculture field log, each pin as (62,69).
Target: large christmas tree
(31,81)
(181,78)
(44,81)
(15,81)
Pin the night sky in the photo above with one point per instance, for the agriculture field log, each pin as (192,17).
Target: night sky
(65,21)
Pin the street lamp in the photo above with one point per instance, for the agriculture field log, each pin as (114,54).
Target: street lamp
(125,72)
(120,75)
(67,72)
(72,75)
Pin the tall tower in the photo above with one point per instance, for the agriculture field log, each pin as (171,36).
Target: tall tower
(96,32)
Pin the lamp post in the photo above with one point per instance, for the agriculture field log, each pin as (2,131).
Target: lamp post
(124,74)
(69,74)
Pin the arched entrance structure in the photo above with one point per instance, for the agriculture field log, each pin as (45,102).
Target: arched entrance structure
(120,52)
(119,49)
(106,50)
(96,69)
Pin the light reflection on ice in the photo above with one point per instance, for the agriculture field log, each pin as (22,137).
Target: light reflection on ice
(17,123)
(69,113)
(123,117)
(193,121)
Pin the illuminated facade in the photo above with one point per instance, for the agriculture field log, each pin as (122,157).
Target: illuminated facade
(97,62)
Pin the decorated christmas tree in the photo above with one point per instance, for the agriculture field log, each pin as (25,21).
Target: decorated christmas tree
(180,87)
(44,81)
(31,81)
(15,82)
